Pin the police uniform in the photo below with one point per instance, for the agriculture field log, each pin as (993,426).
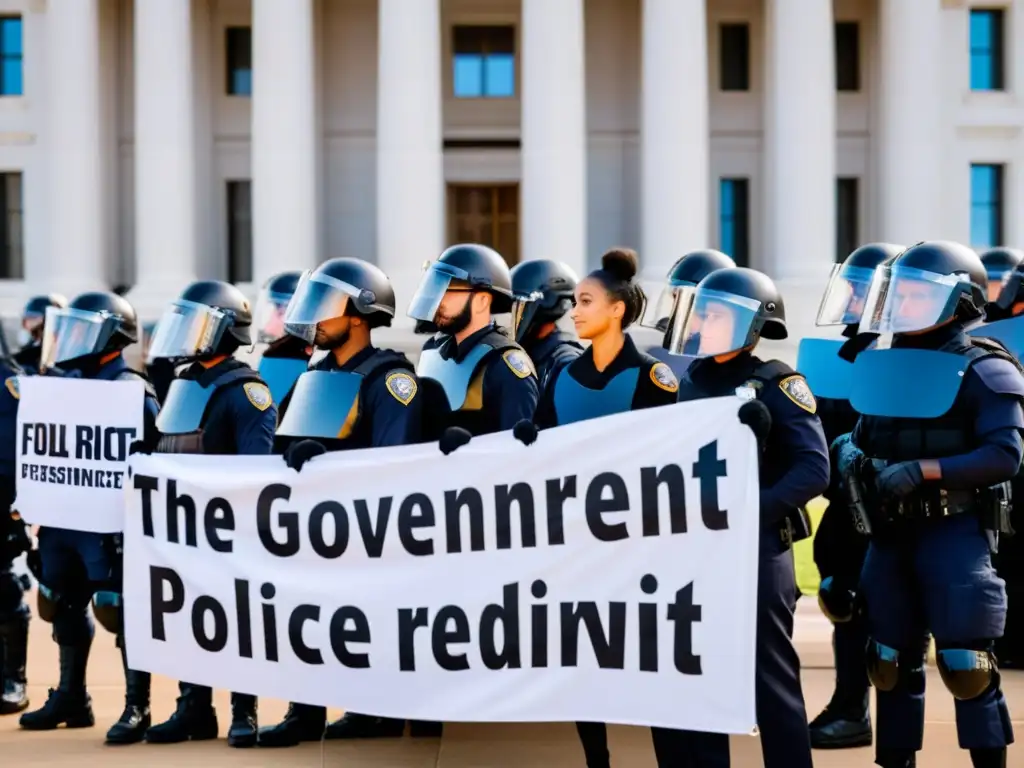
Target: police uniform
(552,353)
(220,406)
(32,318)
(928,566)
(14,540)
(793,470)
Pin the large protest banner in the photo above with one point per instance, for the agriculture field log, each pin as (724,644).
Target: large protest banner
(607,572)
(73,439)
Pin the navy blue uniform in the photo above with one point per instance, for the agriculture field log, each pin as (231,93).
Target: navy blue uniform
(489,380)
(28,357)
(794,469)
(555,350)
(929,568)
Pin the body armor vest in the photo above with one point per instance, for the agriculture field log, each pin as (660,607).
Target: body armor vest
(185,409)
(574,402)
(280,374)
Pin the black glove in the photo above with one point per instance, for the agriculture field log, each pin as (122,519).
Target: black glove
(453,439)
(15,540)
(297,454)
(900,479)
(138,446)
(525,431)
(756,415)
(837,602)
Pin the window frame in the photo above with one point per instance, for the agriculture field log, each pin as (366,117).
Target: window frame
(994,206)
(489,38)
(12,263)
(231,34)
(848,80)
(9,58)
(725,71)
(993,52)
(738,219)
(236,272)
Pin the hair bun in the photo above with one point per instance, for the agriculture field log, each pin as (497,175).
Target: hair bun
(623,263)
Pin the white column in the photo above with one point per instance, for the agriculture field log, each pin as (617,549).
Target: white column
(911,125)
(284,147)
(165,173)
(74,149)
(410,163)
(553,224)
(800,140)
(674,133)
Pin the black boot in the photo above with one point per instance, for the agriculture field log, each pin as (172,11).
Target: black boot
(302,722)
(131,727)
(846,720)
(13,650)
(70,704)
(355,726)
(243,731)
(193,719)
(989,758)
(896,758)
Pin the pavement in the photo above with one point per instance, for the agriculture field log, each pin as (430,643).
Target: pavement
(464,745)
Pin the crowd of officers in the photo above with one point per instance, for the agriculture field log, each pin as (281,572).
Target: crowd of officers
(910,426)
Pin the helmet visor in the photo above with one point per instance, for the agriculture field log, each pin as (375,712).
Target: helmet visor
(996,280)
(674,323)
(188,330)
(318,297)
(847,290)
(72,333)
(433,286)
(269,319)
(905,299)
(718,323)
(524,313)
(657,313)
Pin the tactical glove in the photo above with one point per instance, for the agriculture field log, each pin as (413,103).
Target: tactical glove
(525,431)
(756,415)
(297,454)
(453,439)
(900,480)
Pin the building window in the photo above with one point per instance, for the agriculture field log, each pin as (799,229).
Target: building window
(488,215)
(12,227)
(238,48)
(734,57)
(10,56)
(847,215)
(239,232)
(986,205)
(987,50)
(484,62)
(847,56)
(733,220)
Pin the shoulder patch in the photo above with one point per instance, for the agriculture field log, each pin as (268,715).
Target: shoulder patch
(663,378)
(258,395)
(796,389)
(12,386)
(518,361)
(402,387)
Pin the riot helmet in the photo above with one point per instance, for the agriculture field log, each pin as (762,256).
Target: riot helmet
(671,309)
(339,287)
(94,324)
(731,310)
(847,289)
(209,318)
(543,293)
(271,304)
(928,285)
(1011,293)
(465,268)
(34,315)
(999,264)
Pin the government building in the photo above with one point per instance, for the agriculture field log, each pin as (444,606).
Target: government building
(152,142)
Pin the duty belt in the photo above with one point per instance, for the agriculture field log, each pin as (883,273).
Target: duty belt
(935,503)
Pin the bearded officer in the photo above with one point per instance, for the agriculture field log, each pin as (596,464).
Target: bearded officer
(357,396)
(86,339)
(544,294)
(488,379)
(932,455)
(999,263)
(732,310)
(285,357)
(839,547)
(30,335)
(219,406)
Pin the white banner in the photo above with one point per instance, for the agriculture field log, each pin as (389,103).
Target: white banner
(608,572)
(73,440)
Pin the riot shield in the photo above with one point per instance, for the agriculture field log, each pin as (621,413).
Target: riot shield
(906,383)
(828,375)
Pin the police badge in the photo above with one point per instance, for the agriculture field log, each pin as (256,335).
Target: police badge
(663,378)
(258,395)
(12,386)
(519,363)
(796,389)
(402,387)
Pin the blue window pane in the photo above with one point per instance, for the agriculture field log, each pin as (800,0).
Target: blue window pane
(726,206)
(10,36)
(983,233)
(726,213)
(981,72)
(982,27)
(10,78)
(241,82)
(500,75)
(983,181)
(468,76)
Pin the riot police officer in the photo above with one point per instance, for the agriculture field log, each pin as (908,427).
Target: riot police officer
(217,405)
(30,335)
(999,263)
(932,457)
(839,547)
(732,310)
(544,293)
(86,339)
(336,307)
(488,379)
(14,540)
(285,357)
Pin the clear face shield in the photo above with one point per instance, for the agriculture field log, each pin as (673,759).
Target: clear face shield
(269,319)
(905,300)
(69,334)
(845,295)
(437,279)
(317,298)
(669,315)
(718,323)
(996,280)
(31,327)
(524,311)
(187,331)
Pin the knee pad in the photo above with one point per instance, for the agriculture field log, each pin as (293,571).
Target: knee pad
(106,607)
(47,603)
(886,671)
(966,673)
(837,603)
